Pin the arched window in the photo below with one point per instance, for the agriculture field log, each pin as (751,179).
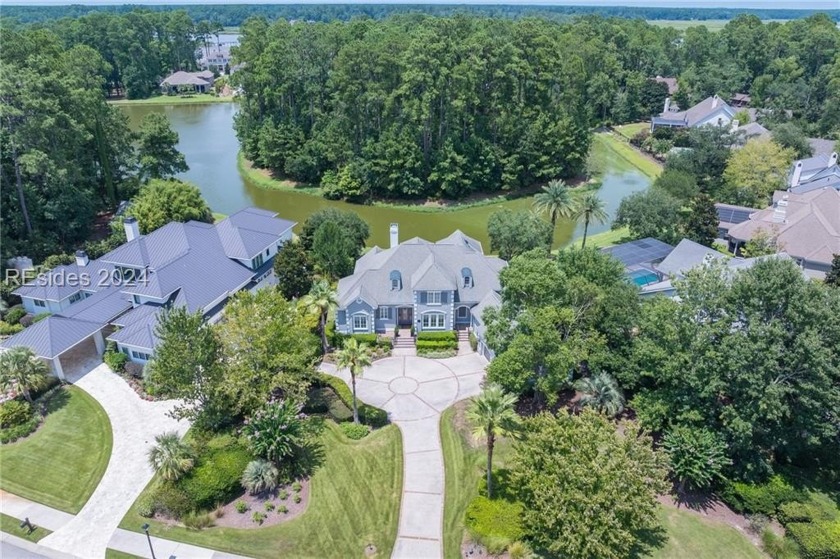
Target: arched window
(396,280)
(467,276)
(434,321)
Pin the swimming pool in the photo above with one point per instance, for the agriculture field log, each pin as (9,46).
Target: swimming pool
(643,277)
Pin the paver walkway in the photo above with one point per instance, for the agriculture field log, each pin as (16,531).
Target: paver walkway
(415,391)
(134,424)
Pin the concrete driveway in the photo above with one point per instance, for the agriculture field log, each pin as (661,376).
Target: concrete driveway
(415,391)
(134,424)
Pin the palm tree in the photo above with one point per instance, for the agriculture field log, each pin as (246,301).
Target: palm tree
(492,413)
(601,392)
(21,371)
(590,208)
(356,357)
(170,457)
(556,201)
(321,299)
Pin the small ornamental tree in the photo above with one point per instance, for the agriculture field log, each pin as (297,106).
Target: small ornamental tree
(601,393)
(698,457)
(321,299)
(161,201)
(354,356)
(833,276)
(21,371)
(260,476)
(170,457)
(293,270)
(492,414)
(277,430)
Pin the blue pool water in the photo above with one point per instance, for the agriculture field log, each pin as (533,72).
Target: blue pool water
(643,277)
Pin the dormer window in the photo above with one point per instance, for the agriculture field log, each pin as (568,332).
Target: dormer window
(466,275)
(396,280)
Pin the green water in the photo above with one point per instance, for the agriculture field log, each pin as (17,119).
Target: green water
(210,146)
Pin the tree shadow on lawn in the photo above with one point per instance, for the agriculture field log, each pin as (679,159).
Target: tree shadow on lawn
(648,541)
(310,455)
(52,400)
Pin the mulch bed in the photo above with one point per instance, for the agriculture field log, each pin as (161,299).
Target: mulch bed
(231,518)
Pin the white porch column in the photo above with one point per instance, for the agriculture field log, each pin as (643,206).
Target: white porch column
(56,367)
(99,341)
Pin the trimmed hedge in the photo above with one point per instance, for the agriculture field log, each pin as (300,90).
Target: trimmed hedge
(817,540)
(171,500)
(494,523)
(323,399)
(14,412)
(763,498)
(369,415)
(375,341)
(217,477)
(438,336)
(437,353)
(354,431)
(436,344)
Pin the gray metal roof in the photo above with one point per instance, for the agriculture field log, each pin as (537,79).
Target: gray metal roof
(102,307)
(139,328)
(685,256)
(249,231)
(422,266)
(642,251)
(62,281)
(53,335)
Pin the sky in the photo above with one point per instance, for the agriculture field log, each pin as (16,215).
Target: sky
(776,4)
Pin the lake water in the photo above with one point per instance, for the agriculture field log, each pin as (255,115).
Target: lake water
(207,140)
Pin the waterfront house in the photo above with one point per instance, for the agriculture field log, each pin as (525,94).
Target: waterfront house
(710,111)
(418,284)
(200,82)
(120,296)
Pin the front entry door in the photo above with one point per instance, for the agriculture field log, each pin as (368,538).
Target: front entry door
(405,316)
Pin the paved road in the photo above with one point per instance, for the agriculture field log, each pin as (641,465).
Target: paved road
(415,391)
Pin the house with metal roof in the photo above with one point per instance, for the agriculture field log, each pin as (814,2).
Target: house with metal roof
(814,173)
(120,296)
(710,111)
(428,286)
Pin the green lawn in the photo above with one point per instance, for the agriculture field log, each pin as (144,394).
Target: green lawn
(11,525)
(114,554)
(693,537)
(198,99)
(60,464)
(630,130)
(688,535)
(646,165)
(355,502)
(605,239)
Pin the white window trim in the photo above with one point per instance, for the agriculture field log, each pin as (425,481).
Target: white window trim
(383,316)
(39,303)
(466,313)
(442,315)
(353,323)
(429,297)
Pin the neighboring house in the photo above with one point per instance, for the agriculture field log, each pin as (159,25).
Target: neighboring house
(120,296)
(710,111)
(740,100)
(730,215)
(806,226)
(428,286)
(671,83)
(750,130)
(214,57)
(640,258)
(201,82)
(814,173)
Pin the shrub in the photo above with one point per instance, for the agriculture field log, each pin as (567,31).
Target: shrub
(297,499)
(283,509)
(817,540)
(258,517)
(11,434)
(197,521)
(241,507)
(297,487)
(283,495)
(276,430)
(494,523)
(448,336)
(14,315)
(803,512)
(355,431)
(14,412)
(639,137)
(519,550)
(777,547)
(116,360)
(171,500)
(146,505)
(325,400)
(436,344)
(7,329)
(473,341)
(269,506)
(437,354)
(259,476)
(217,477)
(763,498)
(369,415)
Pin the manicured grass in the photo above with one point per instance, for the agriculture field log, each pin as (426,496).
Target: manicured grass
(60,464)
(11,525)
(464,467)
(355,502)
(198,99)
(694,537)
(217,217)
(645,164)
(605,239)
(630,130)
(114,554)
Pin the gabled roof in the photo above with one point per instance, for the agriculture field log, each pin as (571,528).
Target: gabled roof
(139,328)
(249,231)
(806,226)
(685,256)
(62,281)
(424,266)
(102,307)
(52,336)
(184,78)
(696,114)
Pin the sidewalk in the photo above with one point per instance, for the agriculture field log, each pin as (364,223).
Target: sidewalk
(120,540)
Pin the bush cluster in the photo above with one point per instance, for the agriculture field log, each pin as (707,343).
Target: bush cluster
(116,360)
(216,478)
(494,523)
(436,344)
(817,540)
(14,412)
(374,341)
(325,400)
(437,353)
(7,329)
(369,415)
(355,431)
(170,500)
(14,315)
(437,336)
(763,498)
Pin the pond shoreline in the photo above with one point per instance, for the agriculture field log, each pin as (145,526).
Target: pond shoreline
(261,178)
(164,100)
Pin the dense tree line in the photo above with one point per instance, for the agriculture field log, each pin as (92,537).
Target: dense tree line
(67,155)
(236,14)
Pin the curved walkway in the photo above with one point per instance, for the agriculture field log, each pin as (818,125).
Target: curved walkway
(134,424)
(415,391)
